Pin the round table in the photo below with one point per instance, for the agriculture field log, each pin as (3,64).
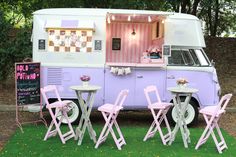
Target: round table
(86,107)
(181,109)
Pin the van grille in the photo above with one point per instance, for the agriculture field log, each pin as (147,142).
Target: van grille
(54,76)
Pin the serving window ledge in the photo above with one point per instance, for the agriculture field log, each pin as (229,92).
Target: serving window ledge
(135,64)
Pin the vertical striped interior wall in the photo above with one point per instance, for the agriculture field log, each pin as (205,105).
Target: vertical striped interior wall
(131,48)
(159,42)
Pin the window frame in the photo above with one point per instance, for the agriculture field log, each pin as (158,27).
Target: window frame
(195,63)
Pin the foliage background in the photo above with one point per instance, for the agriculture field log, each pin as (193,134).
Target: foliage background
(16,20)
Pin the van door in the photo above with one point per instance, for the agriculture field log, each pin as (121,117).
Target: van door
(115,83)
(145,77)
(185,63)
(180,65)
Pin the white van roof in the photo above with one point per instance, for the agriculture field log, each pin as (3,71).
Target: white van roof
(103,12)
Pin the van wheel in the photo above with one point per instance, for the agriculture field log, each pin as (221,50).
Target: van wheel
(191,115)
(73,114)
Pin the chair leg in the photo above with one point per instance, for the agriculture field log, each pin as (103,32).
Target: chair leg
(108,127)
(105,130)
(156,126)
(51,132)
(121,141)
(222,144)
(70,134)
(203,137)
(207,131)
(150,132)
(168,134)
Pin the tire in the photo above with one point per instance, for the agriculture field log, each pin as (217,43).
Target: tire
(191,116)
(73,114)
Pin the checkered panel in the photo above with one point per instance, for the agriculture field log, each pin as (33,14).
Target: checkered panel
(69,40)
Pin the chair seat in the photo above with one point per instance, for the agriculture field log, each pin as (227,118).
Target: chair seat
(210,110)
(109,108)
(159,105)
(59,104)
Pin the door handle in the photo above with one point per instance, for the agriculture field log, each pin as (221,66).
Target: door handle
(171,77)
(139,76)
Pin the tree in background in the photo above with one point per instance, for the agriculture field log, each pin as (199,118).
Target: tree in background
(5,54)
(15,43)
(219,16)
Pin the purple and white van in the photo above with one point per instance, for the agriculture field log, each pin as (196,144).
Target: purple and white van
(124,49)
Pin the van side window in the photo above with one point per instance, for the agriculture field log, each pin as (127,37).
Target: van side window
(181,58)
(175,58)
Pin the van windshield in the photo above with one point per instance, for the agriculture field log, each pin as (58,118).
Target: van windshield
(188,57)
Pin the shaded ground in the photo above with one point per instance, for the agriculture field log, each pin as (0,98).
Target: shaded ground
(8,125)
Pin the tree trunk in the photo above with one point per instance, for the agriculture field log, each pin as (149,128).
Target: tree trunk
(195,4)
(184,6)
(209,19)
(216,19)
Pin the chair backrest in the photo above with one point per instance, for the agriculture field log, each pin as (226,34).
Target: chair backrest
(224,101)
(121,97)
(49,89)
(151,89)
(222,104)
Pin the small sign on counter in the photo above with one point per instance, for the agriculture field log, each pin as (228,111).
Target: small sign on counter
(166,50)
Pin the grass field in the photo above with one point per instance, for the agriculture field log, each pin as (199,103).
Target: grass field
(30,143)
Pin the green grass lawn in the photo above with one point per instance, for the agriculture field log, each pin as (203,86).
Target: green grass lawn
(30,143)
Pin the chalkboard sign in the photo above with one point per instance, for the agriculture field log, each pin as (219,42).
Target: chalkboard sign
(166,50)
(116,43)
(98,45)
(27,77)
(41,44)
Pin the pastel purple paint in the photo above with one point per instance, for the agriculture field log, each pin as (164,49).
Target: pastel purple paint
(135,82)
(69,23)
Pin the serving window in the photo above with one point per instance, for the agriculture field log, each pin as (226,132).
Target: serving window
(69,40)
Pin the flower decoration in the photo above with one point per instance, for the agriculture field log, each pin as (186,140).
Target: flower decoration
(181,81)
(85,78)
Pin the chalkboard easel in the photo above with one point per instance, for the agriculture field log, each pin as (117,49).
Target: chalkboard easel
(27,85)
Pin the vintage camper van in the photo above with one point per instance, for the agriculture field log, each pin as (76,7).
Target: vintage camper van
(124,49)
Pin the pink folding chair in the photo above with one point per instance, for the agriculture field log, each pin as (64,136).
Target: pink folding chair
(212,115)
(110,112)
(61,109)
(158,110)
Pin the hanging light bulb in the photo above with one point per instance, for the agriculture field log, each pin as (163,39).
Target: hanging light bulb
(149,19)
(133,33)
(108,19)
(113,17)
(129,18)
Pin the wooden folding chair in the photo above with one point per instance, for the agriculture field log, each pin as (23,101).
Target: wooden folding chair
(110,112)
(212,115)
(61,109)
(158,110)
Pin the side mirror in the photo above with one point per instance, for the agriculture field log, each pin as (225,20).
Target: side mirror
(213,63)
